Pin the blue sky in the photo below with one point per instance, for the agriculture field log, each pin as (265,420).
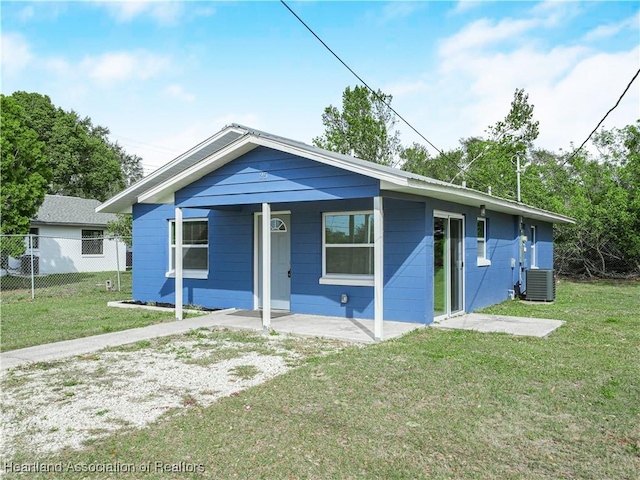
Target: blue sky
(163,76)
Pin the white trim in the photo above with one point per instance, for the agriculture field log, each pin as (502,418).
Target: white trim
(149,179)
(448,313)
(171,268)
(533,229)
(178,262)
(319,156)
(378,267)
(266,266)
(207,165)
(344,276)
(189,273)
(354,280)
(256,254)
(396,181)
(482,260)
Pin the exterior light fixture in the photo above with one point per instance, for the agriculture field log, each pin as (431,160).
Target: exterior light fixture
(483,211)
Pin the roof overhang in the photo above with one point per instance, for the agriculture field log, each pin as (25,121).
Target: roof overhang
(123,201)
(223,148)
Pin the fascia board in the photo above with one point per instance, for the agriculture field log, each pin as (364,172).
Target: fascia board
(471,197)
(105,207)
(193,173)
(335,162)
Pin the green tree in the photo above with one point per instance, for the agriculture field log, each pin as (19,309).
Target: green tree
(83,160)
(25,175)
(122,227)
(484,163)
(364,126)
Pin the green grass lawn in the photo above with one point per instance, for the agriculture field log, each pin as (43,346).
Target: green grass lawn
(66,307)
(433,404)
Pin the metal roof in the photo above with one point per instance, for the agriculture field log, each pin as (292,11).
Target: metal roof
(235,140)
(64,210)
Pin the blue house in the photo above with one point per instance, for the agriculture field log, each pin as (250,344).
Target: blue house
(265,222)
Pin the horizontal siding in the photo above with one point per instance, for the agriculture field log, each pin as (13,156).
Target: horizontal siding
(406,257)
(267,175)
(230,258)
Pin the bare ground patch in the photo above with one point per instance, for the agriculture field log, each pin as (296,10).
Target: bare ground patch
(47,407)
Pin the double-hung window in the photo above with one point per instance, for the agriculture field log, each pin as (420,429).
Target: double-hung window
(483,260)
(195,248)
(92,242)
(347,244)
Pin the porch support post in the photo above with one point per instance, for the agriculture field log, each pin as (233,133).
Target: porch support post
(378,266)
(178,263)
(266,266)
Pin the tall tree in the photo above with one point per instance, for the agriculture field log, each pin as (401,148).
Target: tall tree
(364,126)
(483,163)
(83,160)
(25,174)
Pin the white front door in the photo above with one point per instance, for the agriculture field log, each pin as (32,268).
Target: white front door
(280,261)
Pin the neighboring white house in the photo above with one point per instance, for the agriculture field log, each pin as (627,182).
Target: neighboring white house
(69,236)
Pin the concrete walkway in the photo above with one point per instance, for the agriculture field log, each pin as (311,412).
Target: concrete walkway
(529,327)
(350,330)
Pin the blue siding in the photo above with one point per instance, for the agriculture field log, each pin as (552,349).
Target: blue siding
(307,189)
(230,281)
(267,175)
(307,295)
(484,285)
(407,262)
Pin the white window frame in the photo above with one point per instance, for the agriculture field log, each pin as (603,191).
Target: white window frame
(482,259)
(34,239)
(94,239)
(343,279)
(534,251)
(198,273)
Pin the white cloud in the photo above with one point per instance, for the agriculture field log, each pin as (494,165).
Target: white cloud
(122,66)
(483,33)
(396,10)
(178,92)
(401,89)
(164,12)
(16,53)
(463,6)
(571,85)
(612,29)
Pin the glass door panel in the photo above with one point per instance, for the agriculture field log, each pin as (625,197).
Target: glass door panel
(457,263)
(448,265)
(439,271)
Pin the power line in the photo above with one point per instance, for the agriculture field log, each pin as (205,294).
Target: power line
(603,118)
(361,80)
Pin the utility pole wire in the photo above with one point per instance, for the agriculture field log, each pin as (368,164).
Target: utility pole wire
(603,118)
(361,80)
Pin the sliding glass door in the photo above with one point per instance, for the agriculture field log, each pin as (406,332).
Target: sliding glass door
(448,264)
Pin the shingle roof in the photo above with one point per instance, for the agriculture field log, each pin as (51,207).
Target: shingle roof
(60,209)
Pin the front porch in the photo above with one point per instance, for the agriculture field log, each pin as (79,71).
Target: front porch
(338,328)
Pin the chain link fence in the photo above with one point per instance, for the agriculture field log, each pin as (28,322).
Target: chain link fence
(41,265)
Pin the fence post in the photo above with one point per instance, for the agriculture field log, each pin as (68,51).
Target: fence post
(33,282)
(118,259)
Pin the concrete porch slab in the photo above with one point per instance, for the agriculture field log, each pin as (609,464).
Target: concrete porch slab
(480,322)
(339,328)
